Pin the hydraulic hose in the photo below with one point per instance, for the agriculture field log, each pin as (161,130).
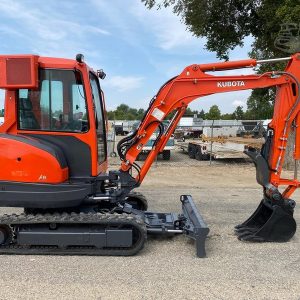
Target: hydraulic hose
(121,143)
(127,142)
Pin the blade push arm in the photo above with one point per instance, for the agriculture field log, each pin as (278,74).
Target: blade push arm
(194,83)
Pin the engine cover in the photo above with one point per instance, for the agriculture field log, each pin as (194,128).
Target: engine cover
(24,159)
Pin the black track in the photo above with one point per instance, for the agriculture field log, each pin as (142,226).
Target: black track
(12,222)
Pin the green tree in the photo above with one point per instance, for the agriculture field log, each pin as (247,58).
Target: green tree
(227,116)
(124,112)
(188,113)
(214,113)
(140,113)
(110,115)
(260,104)
(225,24)
(121,112)
(201,114)
(238,114)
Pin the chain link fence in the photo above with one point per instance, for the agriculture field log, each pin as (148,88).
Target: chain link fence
(208,145)
(215,142)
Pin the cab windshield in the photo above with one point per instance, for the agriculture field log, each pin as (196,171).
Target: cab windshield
(58,105)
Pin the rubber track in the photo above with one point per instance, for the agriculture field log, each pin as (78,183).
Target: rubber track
(74,218)
(140,197)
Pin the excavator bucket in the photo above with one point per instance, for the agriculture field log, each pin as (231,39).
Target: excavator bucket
(270,222)
(273,219)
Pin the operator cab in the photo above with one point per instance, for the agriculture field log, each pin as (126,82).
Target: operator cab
(63,110)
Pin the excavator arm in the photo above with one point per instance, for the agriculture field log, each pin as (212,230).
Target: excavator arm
(273,219)
(193,83)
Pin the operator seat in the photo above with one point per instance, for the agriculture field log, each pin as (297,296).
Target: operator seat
(26,115)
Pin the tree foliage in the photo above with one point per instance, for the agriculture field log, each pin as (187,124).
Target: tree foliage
(191,113)
(225,24)
(238,114)
(260,104)
(124,112)
(227,116)
(214,113)
(202,114)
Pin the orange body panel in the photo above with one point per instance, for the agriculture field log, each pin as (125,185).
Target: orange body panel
(25,163)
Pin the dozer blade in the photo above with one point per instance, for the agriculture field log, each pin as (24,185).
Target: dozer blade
(189,223)
(194,226)
(271,222)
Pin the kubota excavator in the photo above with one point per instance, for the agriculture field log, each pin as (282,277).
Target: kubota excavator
(54,159)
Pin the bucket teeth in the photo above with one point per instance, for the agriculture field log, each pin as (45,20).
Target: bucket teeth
(246,233)
(249,235)
(242,229)
(237,227)
(251,238)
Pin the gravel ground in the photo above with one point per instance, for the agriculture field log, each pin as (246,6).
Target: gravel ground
(225,194)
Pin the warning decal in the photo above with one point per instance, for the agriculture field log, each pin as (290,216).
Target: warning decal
(158,114)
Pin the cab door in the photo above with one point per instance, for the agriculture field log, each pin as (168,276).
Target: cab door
(99,120)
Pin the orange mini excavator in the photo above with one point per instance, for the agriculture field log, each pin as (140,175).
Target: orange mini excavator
(54,159)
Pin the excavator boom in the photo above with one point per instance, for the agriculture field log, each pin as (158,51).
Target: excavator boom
(194,83)
(273,220)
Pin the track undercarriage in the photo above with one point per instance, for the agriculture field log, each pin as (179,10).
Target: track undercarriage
(121,233)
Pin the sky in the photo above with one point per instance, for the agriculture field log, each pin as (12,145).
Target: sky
(139,49)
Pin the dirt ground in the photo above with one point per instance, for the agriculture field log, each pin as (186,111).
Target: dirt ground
(226,193)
